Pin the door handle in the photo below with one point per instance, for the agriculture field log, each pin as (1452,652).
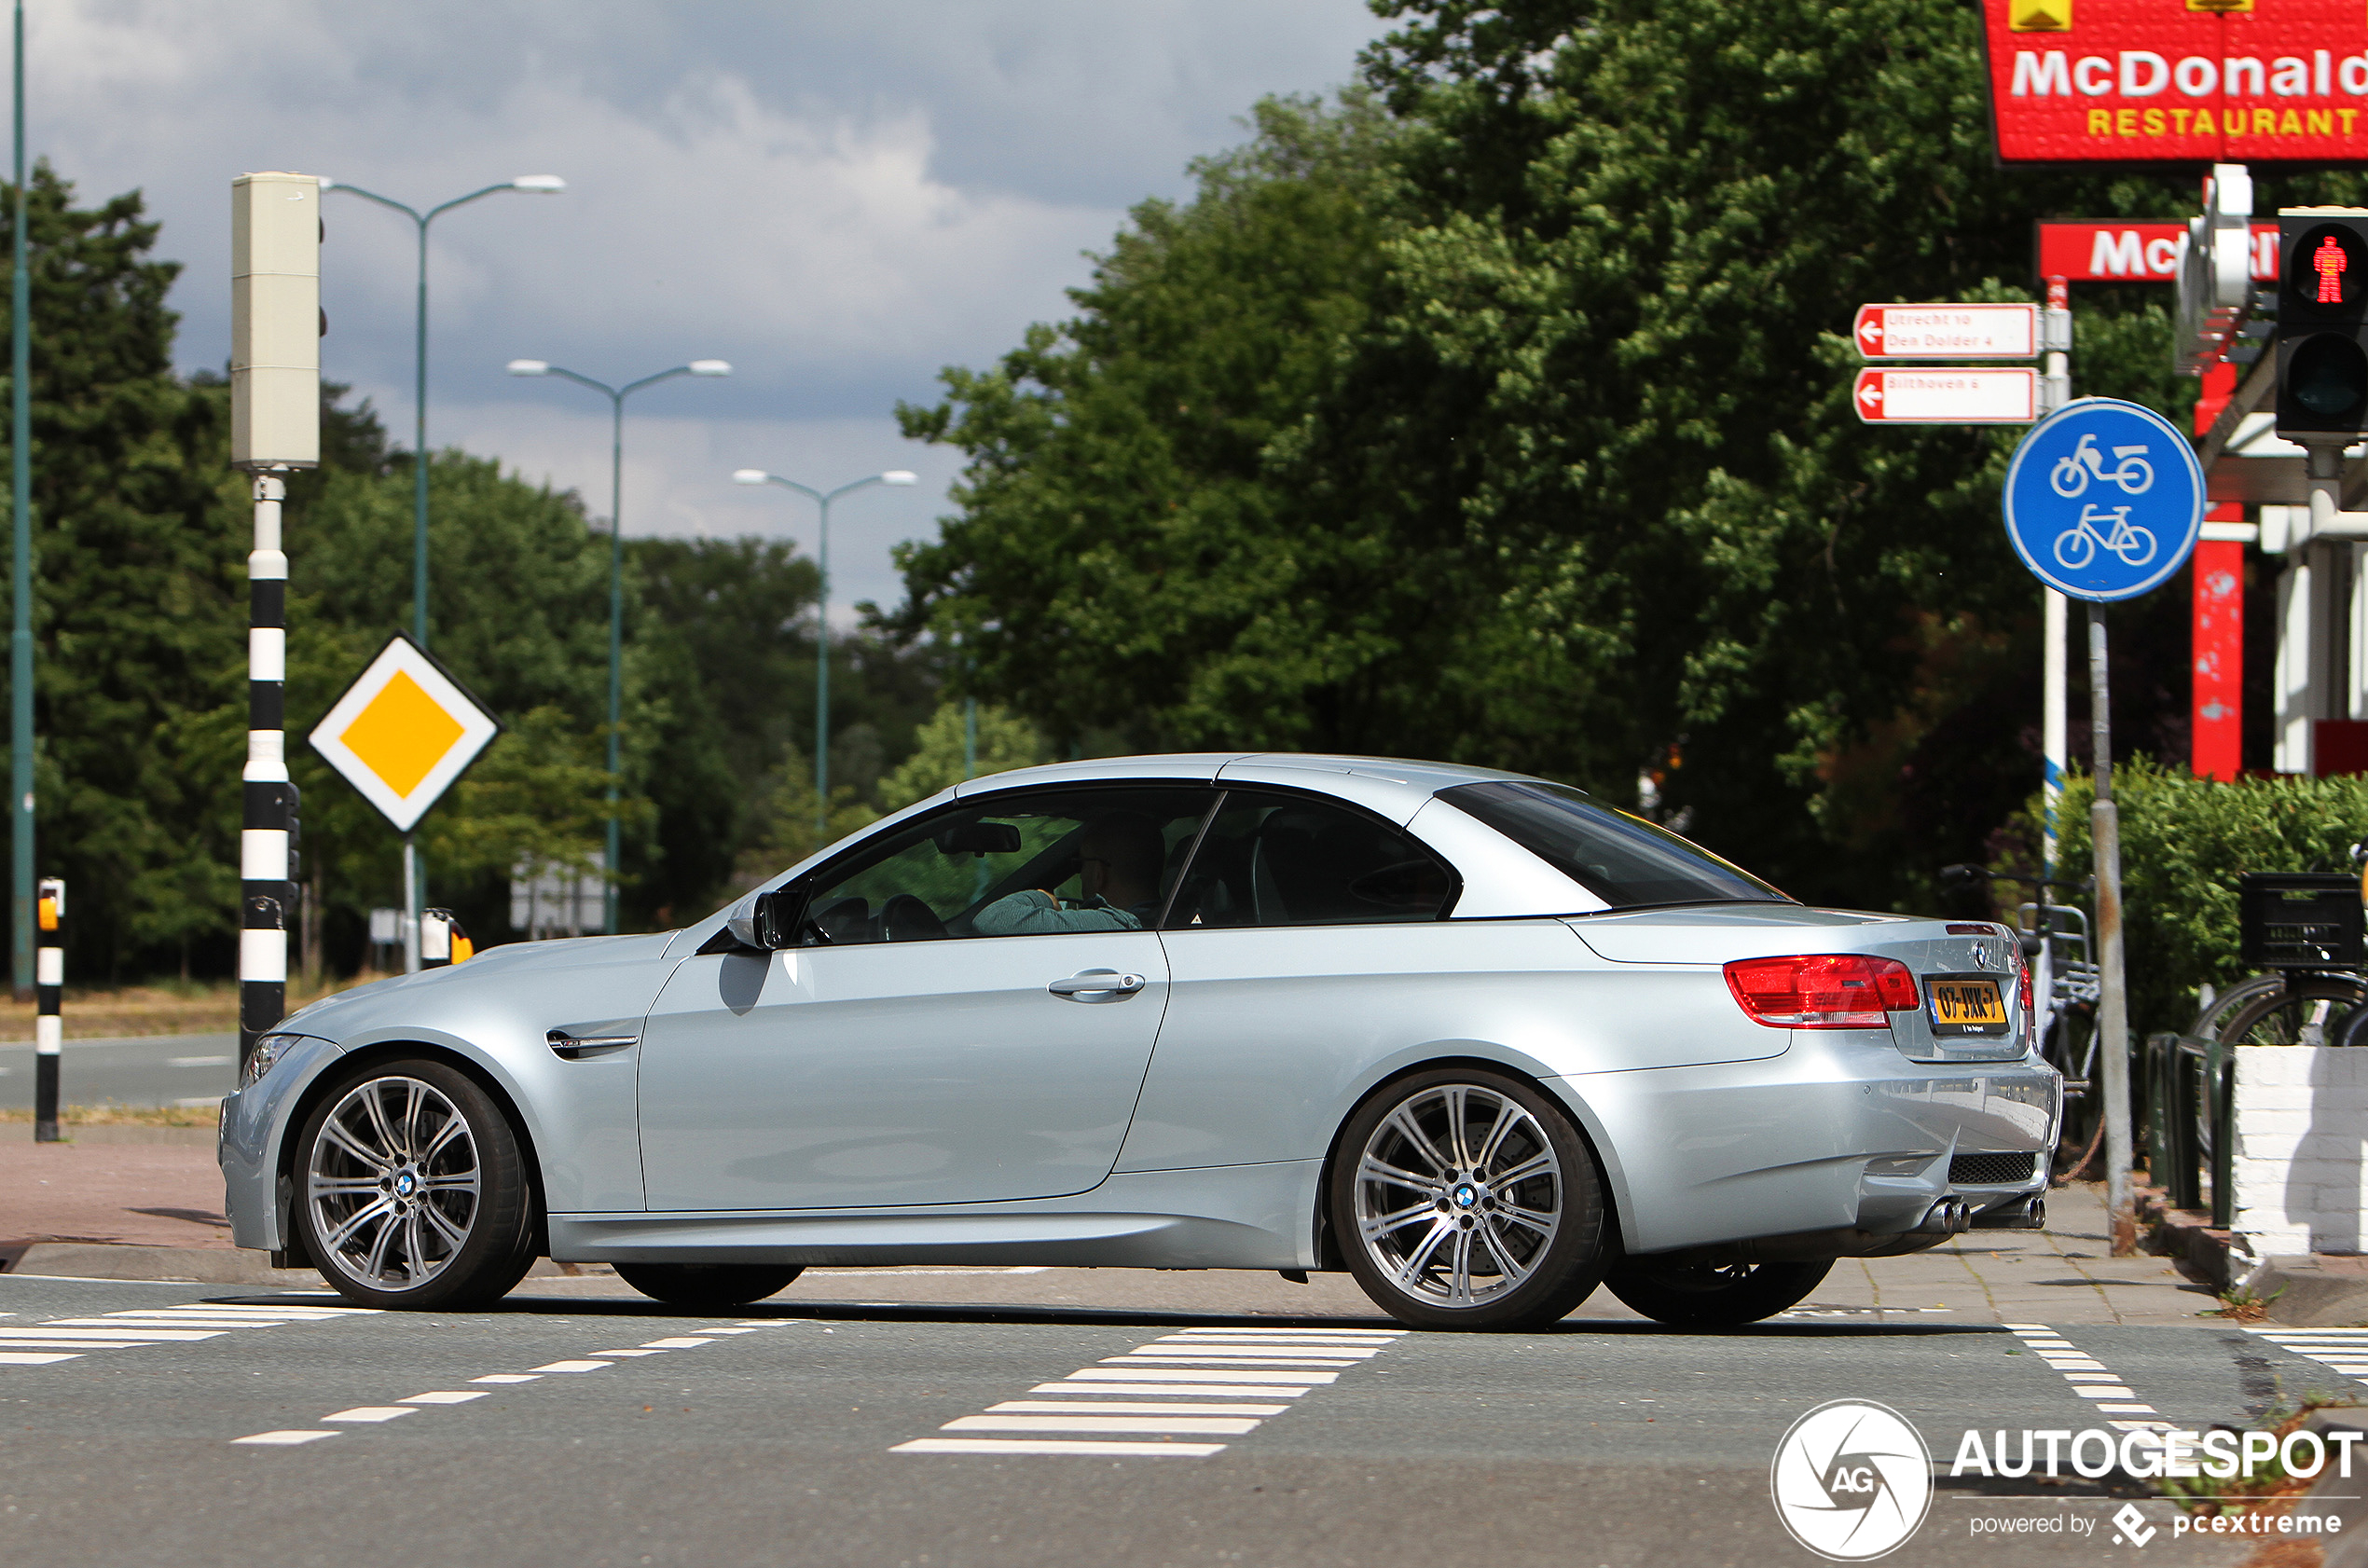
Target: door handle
(1096,985)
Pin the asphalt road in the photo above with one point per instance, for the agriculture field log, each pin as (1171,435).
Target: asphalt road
(788,1433)
(149,1071)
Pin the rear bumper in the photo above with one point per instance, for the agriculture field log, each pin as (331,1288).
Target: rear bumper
(1839,1133)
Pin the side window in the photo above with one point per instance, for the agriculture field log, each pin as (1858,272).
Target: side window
(1037,864)
(1273,860)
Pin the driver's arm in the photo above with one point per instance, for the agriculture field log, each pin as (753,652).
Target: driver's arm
(1036,913)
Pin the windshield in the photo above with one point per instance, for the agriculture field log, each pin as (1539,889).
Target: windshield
(1622,860)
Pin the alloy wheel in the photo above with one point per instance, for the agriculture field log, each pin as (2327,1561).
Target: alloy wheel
(392,1183)
(1458,1195)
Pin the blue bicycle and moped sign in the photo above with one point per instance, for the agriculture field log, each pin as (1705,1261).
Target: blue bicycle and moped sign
(2104,499)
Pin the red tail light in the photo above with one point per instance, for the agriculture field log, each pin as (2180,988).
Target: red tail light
(1823,990)
(2028,1023)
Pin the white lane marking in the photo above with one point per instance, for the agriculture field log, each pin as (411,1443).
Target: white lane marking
(1157,1374)
(372,1413)
(198,1061)
(27,1358)
(2078,1369)
(1035,1269)
(1195,1374)
(1021,1445)
(2341,1351)
(1177,1390)
(507,1377)
(1382,1334)
(1124,1407)
(157,1327)
(1188,1426)
(727,1329)
(444,1397)
(71,1344)
(575,1367)
(126,1333)
(678,1341)
(282,1439)
(628,1353)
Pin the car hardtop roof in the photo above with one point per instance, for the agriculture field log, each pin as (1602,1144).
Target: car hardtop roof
(1423,777)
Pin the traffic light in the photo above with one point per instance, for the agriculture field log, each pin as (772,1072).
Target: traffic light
(2322,296)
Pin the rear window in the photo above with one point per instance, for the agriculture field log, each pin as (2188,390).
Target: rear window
(1624,860)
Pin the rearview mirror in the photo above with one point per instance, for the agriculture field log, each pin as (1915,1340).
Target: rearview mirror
(979,838)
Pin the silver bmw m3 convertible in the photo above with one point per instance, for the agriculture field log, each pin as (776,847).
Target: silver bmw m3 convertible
(1478,1040)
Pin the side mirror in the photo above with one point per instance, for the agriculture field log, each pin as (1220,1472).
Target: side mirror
(979,838)
(767,921)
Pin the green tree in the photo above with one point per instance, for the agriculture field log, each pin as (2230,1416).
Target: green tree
(1005,741)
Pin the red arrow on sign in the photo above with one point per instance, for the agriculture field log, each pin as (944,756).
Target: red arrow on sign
(1870,328)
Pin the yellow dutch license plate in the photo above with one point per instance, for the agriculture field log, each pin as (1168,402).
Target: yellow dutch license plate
(1967,1006)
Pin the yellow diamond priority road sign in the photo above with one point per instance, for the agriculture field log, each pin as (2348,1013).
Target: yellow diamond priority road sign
(403,732)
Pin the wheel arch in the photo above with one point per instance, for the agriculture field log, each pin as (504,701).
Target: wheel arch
(292,1236)
(1326,1248)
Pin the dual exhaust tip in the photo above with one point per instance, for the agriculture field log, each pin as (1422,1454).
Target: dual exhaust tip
(1951,1216)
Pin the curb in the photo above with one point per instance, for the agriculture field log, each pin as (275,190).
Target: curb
(195,1265)
(2301,1291)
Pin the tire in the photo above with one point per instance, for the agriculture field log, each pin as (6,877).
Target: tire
(2308,1009)
(1466,1199)
(709,1287)
(411,1190)
(1710,1295)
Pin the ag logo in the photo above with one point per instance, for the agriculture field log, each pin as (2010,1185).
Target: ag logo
(1852,1480)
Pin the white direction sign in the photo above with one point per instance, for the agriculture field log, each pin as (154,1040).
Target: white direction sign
(1947,331)
(1946,397)
(403,732)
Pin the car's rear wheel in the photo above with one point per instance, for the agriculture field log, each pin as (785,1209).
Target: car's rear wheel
(709,1287)
(1712,1295)
(411,1189)
(1466,1199)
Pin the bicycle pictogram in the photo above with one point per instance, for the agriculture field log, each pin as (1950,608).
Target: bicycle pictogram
(2073,473)
(2076,546)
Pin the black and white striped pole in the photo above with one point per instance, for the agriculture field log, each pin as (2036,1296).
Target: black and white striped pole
(48,987)
(275,426)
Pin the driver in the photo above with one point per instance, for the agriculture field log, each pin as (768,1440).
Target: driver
(1119,854)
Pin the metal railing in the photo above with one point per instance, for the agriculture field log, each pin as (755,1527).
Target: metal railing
(2191,1104)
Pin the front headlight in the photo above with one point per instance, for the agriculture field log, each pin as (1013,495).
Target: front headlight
(267,1050)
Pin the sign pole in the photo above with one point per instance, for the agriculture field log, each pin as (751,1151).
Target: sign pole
(410,904)
(49,1030)
(263,840)
(2113,1009)
(2055,332)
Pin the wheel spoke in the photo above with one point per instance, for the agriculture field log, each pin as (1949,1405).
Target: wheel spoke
(1402,1119)
(337,1239)
(388,1137)
(412,1090)
(1540,1163)
(1459,1283)
(1508,1116)
(453,1236)
(1410,1270)
(330,1187)
(334,1131)
(373,1264)
(1379,1226)
(1371,1169)
(453,1127)
(1536,1219)
(459,1181)
(1459,1107)
(1511,1271)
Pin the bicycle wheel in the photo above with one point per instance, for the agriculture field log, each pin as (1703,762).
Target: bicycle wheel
(2129,550)
(2307,1009)
(2075,547)
(2069,477)
(2071,1049)
(2210,1020)
(2145,476)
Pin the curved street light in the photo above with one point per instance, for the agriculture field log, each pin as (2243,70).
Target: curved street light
(822,614)
(616,396)
(532,185)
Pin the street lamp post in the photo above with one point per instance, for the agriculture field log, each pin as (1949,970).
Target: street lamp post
(538,184)
(822,614)
(616,396)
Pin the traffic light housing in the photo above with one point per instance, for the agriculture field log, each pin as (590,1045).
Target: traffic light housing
(2322,320)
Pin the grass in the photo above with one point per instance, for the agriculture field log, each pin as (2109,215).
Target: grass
(2244,1306)
(122,1115)
(164,1007)
(2268,1486)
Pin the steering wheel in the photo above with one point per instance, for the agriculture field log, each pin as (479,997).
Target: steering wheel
(906,918)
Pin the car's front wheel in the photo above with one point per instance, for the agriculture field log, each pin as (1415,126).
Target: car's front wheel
(1466,1199)
(411,1189)
(1713,1295)
(708,1286)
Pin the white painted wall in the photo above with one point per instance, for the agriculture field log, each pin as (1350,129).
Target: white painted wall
(2301,1158)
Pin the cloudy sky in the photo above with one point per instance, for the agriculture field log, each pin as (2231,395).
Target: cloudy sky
(838,198)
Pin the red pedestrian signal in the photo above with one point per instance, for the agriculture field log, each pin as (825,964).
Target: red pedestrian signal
(2328,262)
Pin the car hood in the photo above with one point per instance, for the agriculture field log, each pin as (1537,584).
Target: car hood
(366,1007)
